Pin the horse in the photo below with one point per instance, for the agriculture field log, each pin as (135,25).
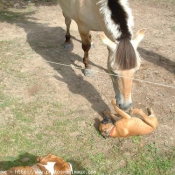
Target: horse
(115,19)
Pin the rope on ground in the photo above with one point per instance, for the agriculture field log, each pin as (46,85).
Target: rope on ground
(100,72)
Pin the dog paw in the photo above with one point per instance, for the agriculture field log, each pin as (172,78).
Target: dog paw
(131,111)
(113,101)
(150,111)
(106,113)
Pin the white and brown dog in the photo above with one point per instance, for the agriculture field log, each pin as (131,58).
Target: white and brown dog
(47,165)
(127,126)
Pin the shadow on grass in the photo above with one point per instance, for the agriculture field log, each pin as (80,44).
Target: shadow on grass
(47,42)
(97,123)
(25,159)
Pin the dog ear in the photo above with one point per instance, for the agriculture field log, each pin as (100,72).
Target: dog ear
(106,120)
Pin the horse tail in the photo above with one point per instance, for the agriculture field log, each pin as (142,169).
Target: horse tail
(125,55)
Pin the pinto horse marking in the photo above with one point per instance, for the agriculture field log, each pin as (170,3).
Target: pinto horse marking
(114,18)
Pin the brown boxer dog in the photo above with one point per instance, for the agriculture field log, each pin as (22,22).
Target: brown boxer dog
(127,125)
(47,165)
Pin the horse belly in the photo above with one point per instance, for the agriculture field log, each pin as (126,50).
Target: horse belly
(83,12)
(91,23)
(66,7)
(87,14)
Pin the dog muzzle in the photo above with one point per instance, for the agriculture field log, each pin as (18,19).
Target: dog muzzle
(107,133)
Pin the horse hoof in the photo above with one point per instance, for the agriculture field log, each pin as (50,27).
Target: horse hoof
(68,46)
(92,45)
(88,73)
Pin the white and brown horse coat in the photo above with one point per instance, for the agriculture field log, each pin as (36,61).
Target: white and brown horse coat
(114,18)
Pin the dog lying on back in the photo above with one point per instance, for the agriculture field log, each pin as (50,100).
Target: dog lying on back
(47,165)
(127,126)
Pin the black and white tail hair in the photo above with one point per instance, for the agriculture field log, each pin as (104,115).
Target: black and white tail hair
(119,22)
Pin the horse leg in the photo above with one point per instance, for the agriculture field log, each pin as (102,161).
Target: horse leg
(86,45)
(67,43)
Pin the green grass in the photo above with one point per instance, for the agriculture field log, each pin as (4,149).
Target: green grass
(173,28)
(42,126)
(136,139)
(6,16)
(37,123)
(151,161)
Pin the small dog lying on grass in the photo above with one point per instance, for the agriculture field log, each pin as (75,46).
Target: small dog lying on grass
(127,126)
(46,165)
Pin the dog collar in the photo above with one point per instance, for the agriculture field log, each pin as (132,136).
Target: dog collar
(110,134)
(111,130)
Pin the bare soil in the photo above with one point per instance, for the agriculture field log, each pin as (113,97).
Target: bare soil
(41,35)
(93,95)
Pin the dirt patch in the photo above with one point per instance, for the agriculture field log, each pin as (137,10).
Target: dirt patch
(61,99)
(21,4)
